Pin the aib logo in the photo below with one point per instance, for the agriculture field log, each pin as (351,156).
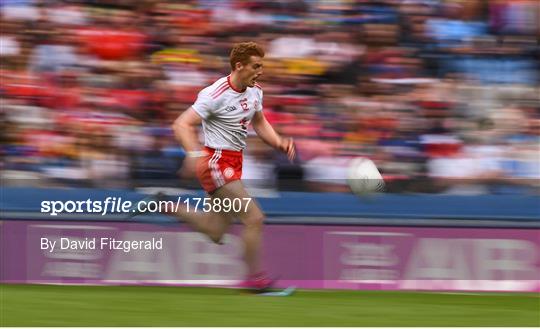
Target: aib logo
(244,104)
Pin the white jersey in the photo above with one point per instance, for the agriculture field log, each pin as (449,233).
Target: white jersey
(226,113)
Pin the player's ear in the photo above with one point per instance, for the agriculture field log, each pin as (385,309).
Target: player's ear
(238,66)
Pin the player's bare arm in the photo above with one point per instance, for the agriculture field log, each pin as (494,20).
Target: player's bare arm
(267,133)
(185,131)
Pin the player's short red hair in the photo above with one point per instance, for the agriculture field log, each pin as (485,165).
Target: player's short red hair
(243,51)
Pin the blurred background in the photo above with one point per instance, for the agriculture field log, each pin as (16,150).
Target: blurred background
(443,95)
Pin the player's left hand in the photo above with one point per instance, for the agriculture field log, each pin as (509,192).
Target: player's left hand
(287,146)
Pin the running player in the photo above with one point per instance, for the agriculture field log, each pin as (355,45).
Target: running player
(225,109)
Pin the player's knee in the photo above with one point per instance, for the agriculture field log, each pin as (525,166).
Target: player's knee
(216,237)
(255,222)
(217,232)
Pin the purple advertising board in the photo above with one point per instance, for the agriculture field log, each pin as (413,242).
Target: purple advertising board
(306,256)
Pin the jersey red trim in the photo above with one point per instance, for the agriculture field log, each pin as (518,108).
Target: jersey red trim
(232,87)
(221,92)
(218,89)
(258,86)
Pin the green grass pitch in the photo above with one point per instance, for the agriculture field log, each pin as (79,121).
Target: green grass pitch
(35,305)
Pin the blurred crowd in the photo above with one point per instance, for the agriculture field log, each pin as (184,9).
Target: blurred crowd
(443,95)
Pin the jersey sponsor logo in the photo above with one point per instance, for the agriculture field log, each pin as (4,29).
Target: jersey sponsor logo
(230,108)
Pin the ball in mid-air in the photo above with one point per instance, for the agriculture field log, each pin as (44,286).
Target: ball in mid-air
(363,177)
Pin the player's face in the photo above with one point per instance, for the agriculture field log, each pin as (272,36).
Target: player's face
(250,72)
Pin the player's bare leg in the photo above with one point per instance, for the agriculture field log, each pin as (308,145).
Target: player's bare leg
(252,217)
(215,225)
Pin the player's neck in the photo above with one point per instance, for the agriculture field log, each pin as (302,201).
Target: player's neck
(235,82)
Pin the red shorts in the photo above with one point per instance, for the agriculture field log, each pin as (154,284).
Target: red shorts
(218,168)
